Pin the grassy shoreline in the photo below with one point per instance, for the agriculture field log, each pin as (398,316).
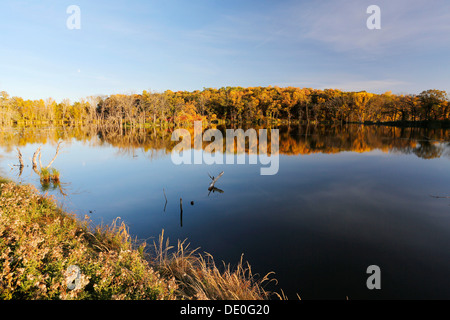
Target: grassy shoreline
(39,242)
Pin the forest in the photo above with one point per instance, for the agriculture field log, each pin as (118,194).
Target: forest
(231,104)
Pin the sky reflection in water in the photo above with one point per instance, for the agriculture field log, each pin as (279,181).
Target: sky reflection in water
(319,223)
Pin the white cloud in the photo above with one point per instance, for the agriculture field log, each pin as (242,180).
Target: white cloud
(376,86)
(405,25)
(348,82)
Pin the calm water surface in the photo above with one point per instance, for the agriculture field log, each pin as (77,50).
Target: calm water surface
(344,198)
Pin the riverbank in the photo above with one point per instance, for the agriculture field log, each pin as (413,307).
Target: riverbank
(46,253)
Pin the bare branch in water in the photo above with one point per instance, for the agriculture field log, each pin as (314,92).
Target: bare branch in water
(214,189)
(181,212)
(214,180)
(35,156)
(166,200)
(58,148)
(38,154)
(19,155)
(40,162)
(439,197)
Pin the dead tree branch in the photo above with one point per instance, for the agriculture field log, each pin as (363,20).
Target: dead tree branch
(214,180)
(58,148)
(166,200)
(38,154)
(19,155)
(181,212)
(439,197)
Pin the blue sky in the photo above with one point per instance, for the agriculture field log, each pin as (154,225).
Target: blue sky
(130,46)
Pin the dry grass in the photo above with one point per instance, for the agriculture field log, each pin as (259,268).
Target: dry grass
(38,242)
(198,277)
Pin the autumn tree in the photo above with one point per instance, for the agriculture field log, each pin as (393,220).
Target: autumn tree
(433,103)
(250,104)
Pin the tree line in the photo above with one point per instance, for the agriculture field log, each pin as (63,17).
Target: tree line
(235,104)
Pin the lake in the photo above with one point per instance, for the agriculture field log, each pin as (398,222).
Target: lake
(344,198)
